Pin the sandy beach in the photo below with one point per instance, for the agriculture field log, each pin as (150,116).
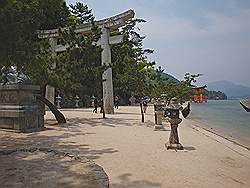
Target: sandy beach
(134,155)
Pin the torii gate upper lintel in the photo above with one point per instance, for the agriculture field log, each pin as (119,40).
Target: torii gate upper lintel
(105,42)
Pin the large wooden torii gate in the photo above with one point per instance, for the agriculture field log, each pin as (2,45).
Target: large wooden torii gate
(105,42)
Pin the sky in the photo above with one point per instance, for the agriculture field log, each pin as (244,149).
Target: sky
(211,37)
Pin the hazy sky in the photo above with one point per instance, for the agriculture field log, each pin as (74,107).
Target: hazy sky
(198,36)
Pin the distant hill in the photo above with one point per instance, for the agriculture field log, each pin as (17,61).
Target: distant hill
(232,90)
(169,77)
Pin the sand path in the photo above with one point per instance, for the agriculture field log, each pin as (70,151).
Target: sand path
(134,156)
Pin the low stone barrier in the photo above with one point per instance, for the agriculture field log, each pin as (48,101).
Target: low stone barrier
(19,109)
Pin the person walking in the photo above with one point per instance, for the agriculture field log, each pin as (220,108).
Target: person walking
(116,102)
(101,105)
(145,105)
(95,105)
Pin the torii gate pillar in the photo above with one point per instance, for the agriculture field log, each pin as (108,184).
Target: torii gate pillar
(108,97)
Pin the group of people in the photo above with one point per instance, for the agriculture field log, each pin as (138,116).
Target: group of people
(97,103)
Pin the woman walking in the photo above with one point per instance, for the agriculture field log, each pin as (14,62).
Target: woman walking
(145,105)
(95,105)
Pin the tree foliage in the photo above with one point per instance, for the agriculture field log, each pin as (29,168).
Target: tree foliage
(132,71)
(20,46)
(19,22)
(78,69)
(169,88)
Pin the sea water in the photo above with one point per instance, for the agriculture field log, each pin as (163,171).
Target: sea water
(227,117)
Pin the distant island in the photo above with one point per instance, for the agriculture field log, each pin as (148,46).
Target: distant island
(216,95)
(232,90)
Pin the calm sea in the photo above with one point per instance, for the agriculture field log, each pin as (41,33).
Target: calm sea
(227,117)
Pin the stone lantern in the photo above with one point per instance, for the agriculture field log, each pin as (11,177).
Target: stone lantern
(173,111)
(77,100)
(58,101)
(159,112)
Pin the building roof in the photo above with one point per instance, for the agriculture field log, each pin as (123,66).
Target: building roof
(201,87)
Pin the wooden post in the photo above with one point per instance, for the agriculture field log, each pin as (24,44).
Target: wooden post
(142,114)
(103,114)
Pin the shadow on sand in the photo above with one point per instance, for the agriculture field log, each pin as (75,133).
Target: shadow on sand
(63,138)
(126,182)
(189,148)
(99,122)
(60,138)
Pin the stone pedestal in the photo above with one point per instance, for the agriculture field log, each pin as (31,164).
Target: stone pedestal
(158,120)
(174,138)
(19,109)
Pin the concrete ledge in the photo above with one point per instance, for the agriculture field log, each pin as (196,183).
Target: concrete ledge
(24,131)
(12,113)
(19,87)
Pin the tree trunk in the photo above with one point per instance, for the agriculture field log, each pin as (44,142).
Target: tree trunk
(58,115)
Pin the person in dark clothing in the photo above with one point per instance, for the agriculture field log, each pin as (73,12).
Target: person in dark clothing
(101,105)
(145,105)
(116,102)
(95,105)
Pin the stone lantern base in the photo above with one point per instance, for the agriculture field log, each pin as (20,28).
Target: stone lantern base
(159,128)
(158,121)
(174,146)
(173,142)
(19,109)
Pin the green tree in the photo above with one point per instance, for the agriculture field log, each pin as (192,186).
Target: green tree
(171,89)
(189,79)
(79,68)
(132,71)
(19,22)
